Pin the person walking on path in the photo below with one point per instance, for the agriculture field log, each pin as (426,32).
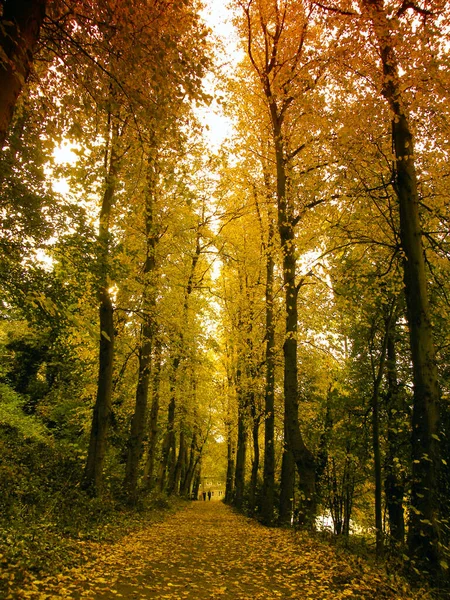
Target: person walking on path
(209,495)
(204,496)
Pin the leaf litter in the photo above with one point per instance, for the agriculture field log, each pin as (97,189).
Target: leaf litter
(206,550)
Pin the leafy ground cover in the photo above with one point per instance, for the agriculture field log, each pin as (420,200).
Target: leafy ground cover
(68,536)
(205,550)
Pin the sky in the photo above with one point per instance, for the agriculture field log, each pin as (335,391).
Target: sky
(218,17)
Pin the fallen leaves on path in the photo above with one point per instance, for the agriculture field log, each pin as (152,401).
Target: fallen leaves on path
(207,551)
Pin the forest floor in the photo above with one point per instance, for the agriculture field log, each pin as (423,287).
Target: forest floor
(205,550)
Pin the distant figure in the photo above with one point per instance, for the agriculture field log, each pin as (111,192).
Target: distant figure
(204,496)
(209,495)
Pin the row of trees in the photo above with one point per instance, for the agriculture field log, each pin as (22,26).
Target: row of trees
(335,271)
(101,297)
(315,351)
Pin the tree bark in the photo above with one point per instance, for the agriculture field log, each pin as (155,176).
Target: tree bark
(169,440)
(168,457)
(348,491)
(174,485)
(268,491)
(138,421)
(336,499)
(20,26)
(197,479)
(148,476)
(423,536)
(394,486)
(229,485)
(256,419)
(286,487)
(377,470)
(279,101)
(378,377)
(377,380)
(241,451)
(93,473)
(302,456)
(193,452)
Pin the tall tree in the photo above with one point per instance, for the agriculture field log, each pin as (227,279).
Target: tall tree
(276,39)
(148,331)
(92,478)
(424,519)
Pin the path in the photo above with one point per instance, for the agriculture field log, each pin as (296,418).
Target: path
(208,551)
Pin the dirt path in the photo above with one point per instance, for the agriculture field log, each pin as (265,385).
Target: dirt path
(207,551)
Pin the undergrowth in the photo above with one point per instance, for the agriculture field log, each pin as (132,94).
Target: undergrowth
(47,523)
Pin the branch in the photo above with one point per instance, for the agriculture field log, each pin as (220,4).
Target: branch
(339,11)
(294,153)
(296,219)
(302,281)
(406,4)
(250,39)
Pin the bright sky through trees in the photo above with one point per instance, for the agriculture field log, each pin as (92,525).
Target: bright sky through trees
(218,16)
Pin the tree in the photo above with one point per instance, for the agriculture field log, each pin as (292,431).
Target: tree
(424,526)
(20,24)
(92,478)
(383,22)
(148,333)
(276,38)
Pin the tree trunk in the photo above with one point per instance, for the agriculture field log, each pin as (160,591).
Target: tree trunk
(197,480)
(423,537)
(168,458)
(287,480)
(394,485)
(378,377)
(138,421)
(241,455)
(93,473)
(187,480)
(148,476)
(286,487)
(171,463)
(322,453)
(279,101)
(174,485)
(229,485)
(348,491)
(20,26)
(268,493)
(377,470)
(184,466)
(336,502)
(168,444)
(302,456)
(256,419)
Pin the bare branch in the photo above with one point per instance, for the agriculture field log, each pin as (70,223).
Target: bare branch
(335,9)
(421,11)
